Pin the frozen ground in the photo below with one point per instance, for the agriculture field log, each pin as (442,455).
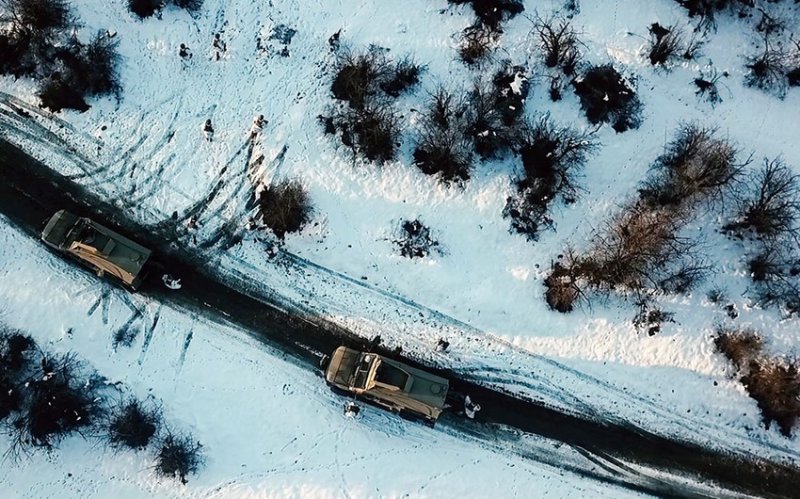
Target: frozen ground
(484,294)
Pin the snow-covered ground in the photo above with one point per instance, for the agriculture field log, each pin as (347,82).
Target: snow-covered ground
(484,293)
(268,428)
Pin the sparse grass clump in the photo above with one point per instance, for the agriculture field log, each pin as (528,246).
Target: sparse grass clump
(285,207)
(477,44)
(558,42)
(666,44)
(607,98)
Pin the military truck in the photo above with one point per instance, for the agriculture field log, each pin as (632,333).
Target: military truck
(97,247)
(393,385)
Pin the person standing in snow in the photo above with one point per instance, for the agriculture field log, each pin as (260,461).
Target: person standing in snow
(208,130)
(470,408)
(258,125)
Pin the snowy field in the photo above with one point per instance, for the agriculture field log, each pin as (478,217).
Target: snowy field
(484,293)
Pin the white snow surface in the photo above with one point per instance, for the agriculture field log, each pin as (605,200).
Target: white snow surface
(483,293)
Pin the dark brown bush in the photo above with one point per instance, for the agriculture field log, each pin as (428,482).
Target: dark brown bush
(559,44)
(775,386)
(696,166)
(442,145)
(133,425)
(477,44)
(666,44)
(493,12)
(769,202)
(606,98)
(740,346)
(285,207)
(179,456)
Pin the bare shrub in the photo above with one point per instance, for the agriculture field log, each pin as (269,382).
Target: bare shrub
(639,248)
(41,20)
(402,76)
(769,202)
(57,94)
(15,356)
(740,346)
(606,98)
(179,456)
(559,44)
(189,5)
(768,70)
(493,12)
(443,146)
(371,132)
(285,207)
(775,385)
(650,318)
(58,400)
(707,86)
(145,8)
(563,284)
(359,76)
(477,44)
(695,166)
(666,44)
(706,10)
(494,109)
(415,240)
(551,158)
(133,425)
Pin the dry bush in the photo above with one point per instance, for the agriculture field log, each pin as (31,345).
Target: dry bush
(695,166)
(285,207)
(43,21)
(494,109)
(145,8)
(189,5)
(706,10)
(133,425)
(402,76)
(477,44)
(740,346)
(552,157)
(358,76)
(16,350)
(442,145)
(606,98)
(666,44)
(58,399)
(179,456)
(707,86)
(650,318)
(563,285)
(769,202)
(371,132)
(775,385)
(559,44)
(640,248)
(415,240)
(769,70)
(775,272)
(493,12)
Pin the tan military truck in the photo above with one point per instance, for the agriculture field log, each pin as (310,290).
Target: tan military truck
(97,247)
(408,391)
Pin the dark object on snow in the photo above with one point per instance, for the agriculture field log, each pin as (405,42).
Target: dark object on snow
(145,8)
(493,12)
(442,345)
(333,41)
(351,409)
(184,52)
